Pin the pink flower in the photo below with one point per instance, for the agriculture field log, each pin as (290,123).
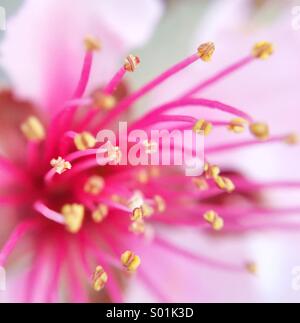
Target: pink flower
(101,227)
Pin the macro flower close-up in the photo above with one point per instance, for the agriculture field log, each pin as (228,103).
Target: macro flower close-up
(149,151)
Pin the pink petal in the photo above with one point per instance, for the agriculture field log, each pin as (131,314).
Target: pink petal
(43,47)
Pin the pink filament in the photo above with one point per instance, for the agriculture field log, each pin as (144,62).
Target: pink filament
(227,71)
(85,74)
(115,81)
(147,88)
(15,237)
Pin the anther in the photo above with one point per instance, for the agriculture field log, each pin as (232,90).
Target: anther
(211,171)
(217,223)
(33,129)
(292,139)
(251,267)
(114,153)
(262,50)
(202,126)
(74,215)
(60,165)
(150,147)
(91,44)
(94,185)
(224,183)
(130,261)
(99,278)
(131,63)
(84,140)
(104,101)
(160,203)
(237,125)
(137,227)
(100,213)
(206,50)
(260,130)
(200,183)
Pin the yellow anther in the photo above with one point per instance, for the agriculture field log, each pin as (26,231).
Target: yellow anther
(237,125)
(211,171)
(210,216)
(143,176)
(114,153)
(160,203)
(260,130)
(147,210)
(262,50)
(154,172)
(60,165)
(137,227)
(94,185)
(100,213)
(84,140)
(292,139)
(200,183)
(74,215)
(137,214)
(251,267)
(99,278)
(91,43)
(130,261)
(150,146)
(136,201)
(202,126)
(216,222)
(206,50)
(224,183)
(131,63)
(119,199)
(33,129)
(104,101)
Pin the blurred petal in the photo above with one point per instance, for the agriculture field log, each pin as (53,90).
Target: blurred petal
(43,48)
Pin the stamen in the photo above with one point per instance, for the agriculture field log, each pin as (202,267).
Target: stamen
(33,129)
(104,101)
(160,203)
(205,51)
(136,201)
(202,126)
(150,147)
(92,44)
(130,261)
(143,176)
(84,140)
(100,213)
(251,267)
(131,63)
(224,183)
(99,278)
(260,130)
(60,165)
(211,171)
(214,219)
(200,183)
(137,214)
(94,185)
(237,125)
(137,227)
(292,139)
(262,50)
(114,153)
(74,215)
